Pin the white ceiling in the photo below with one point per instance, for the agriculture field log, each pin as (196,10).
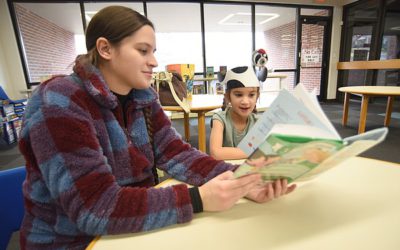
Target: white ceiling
(67,15)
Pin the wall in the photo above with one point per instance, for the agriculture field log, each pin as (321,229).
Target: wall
(11,73)
(50,50)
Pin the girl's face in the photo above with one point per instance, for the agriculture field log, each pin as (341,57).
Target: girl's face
(132,61)
(243,100)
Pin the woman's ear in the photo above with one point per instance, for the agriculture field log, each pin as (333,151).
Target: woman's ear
(103,47)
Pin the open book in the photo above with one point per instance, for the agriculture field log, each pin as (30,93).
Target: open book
(294,139)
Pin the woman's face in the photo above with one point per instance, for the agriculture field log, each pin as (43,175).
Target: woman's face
(132,61)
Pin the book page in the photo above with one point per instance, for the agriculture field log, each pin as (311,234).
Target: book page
(311,102)
(302,130)
(288,157)
(281,156)
(355,145)
(285,109)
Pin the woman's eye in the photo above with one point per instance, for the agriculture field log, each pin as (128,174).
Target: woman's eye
(143,51)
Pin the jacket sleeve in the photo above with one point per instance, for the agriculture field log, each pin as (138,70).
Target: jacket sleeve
(178,158)
(69,173)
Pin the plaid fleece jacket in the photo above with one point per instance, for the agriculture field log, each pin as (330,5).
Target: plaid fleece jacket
(88,175)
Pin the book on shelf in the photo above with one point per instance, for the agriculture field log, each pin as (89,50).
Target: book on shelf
(295,140)
(210,72)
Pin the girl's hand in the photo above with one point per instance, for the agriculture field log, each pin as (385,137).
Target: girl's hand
(223,191)
(270,191)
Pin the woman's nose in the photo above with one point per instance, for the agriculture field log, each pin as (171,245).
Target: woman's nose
(153,61)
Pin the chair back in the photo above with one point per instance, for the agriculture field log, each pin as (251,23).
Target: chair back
(3,94)
(12,204)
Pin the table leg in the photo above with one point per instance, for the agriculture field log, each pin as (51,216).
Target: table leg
(363,114)
(201,117)
(345,108)
(389,106)
(187,127)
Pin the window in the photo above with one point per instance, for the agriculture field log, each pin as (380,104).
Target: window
(360,28)
(49,45)
(228,37)
(390,48)
(91,9)
(178,33)
(277,35)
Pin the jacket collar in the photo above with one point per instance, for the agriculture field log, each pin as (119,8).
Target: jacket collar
(96,86)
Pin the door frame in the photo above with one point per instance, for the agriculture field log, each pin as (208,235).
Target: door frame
(304,19)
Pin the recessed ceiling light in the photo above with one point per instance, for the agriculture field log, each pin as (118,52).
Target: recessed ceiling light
(89,14)
(225,20)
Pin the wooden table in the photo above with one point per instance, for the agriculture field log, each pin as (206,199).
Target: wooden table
(200,104)
(352,206)
(273,82)
(367,92)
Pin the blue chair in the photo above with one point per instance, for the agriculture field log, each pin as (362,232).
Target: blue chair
(19,105)
(12,204)
(4,96)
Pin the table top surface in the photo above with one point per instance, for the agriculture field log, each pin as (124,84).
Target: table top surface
(24,91)
(207,102)
(373,90)
(353,206)
(202,102)
(276,75)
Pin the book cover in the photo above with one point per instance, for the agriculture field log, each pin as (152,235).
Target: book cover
(295,140)
(185,70)
(210,72)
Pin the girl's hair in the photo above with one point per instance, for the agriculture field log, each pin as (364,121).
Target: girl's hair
(227,97)
(113,23)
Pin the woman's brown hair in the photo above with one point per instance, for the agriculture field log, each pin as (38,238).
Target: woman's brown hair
(113,23)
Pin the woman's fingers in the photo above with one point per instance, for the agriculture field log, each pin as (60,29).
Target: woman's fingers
(224,191)
(277,188)
(251,179)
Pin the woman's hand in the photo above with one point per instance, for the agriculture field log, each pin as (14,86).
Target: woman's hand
(270,191)
(223,191)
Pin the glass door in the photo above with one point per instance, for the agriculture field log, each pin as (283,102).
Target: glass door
(359,42)
(313,59)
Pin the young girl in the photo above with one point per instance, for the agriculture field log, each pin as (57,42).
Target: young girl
(232,124)
(92,139)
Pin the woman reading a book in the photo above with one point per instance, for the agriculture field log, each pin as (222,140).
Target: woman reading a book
(91,141)
(232,124)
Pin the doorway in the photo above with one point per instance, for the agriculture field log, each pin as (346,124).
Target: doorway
(313,61)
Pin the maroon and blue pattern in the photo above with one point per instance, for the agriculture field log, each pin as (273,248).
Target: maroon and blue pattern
(87,178)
